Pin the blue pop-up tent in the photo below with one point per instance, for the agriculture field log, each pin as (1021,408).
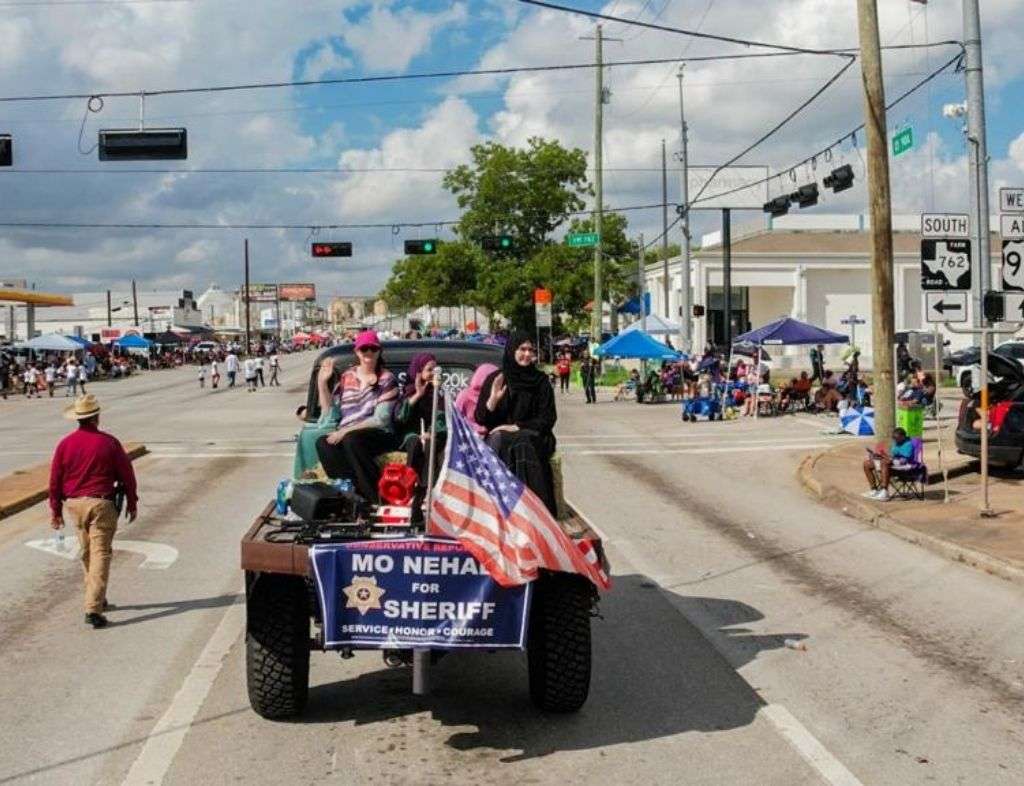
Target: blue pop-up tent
(790,331)
(636,344)
(133,342)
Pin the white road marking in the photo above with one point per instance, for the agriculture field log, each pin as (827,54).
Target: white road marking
(686,440)
(159,556)
(164,741)
(238,454)
(809,748)
(695,451)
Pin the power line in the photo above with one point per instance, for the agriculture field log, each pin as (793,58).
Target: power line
(46,3)
(848,135)
(679,30)
(308,226)
(389,77)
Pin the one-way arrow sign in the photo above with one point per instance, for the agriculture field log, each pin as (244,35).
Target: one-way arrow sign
(945,307)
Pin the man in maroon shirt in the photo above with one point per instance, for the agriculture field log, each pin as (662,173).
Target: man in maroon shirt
(85,467)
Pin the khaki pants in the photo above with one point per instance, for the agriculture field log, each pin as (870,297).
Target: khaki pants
(96,521)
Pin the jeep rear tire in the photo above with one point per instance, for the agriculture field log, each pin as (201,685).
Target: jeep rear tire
(558,647)
(277,645)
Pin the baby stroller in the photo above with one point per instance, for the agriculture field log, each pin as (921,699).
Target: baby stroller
(702,408)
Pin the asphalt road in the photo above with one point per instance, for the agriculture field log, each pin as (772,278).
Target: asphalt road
(911,673)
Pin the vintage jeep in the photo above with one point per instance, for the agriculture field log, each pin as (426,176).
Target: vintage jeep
(295,603)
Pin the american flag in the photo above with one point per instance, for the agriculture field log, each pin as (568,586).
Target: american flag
(497,518)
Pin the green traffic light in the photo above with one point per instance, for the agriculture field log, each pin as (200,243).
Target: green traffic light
(506,242)
(428,247)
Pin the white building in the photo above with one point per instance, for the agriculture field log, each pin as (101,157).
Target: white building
(158,310)
(815,268)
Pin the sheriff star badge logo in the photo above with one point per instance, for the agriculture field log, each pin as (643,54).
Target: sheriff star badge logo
(363,594)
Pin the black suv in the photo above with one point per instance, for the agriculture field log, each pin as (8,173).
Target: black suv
(1006,415)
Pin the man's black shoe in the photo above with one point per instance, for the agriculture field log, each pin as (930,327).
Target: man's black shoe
(96,620)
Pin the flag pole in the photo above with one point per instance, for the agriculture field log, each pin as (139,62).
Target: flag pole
(431,452)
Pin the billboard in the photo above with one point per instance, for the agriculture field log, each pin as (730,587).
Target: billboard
(262,293)
(735,187)
(301,293)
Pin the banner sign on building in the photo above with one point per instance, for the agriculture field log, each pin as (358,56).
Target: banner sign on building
(302,293)
(414,592)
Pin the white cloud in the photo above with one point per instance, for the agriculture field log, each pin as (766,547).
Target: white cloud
(389,40)
(1017,152)
(327,60)
(14,36)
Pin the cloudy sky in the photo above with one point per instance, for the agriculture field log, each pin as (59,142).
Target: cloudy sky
(93,46)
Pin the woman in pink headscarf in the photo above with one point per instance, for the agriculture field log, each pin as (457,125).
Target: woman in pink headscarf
(468,398)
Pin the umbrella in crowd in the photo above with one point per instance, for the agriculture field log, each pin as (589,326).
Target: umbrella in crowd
(859,421)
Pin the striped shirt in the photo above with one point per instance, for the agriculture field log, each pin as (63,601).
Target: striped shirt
(357,403)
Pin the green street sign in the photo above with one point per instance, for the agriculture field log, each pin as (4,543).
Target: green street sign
(583,239)
(902,141)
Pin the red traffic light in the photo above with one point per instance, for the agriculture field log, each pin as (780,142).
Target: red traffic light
(332,249)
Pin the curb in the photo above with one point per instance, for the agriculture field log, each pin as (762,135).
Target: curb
(855,508)
(37,495)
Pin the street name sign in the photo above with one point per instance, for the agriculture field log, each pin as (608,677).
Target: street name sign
(945,264)
(1011,200)
(942,307)
(1013,269)
(583,239)
(902,141)
(942,225)
(1011,226)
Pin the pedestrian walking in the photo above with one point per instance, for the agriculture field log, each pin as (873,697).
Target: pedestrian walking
(275,366)
(30,377)
(563,367)
(214,373)
(88,472)
(818,363)
(50,374)
(5,378)
(231,364)
(250,374)
(83,377)
(202,375)
(71,379)
(588,375)
(259,371)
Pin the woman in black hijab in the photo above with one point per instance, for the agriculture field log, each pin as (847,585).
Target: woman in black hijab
(517,407)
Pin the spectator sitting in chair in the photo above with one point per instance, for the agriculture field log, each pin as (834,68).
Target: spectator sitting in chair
(878,465)
(787,395)
(802,389)
(629,385)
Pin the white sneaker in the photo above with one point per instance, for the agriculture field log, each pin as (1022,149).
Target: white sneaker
(882,495)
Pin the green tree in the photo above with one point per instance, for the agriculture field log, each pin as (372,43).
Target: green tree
(447,278)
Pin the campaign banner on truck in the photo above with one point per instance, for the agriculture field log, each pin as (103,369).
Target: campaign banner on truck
(415,592)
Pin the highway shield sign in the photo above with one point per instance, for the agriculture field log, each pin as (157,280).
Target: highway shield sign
(1013,269)
(945,264)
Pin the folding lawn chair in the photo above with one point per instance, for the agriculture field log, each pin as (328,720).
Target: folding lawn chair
(908,482)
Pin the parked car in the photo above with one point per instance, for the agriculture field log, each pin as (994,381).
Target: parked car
(963,362)
(1006,415)
(205,347)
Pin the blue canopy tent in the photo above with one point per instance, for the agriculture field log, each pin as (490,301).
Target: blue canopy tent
(133,342)
(636,344)
(632,306)
(786,331)
(84,342)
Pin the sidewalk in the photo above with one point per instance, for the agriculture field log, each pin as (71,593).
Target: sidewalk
(953,529)
(24,488)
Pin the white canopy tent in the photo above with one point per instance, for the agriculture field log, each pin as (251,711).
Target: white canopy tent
(656,326)
(52,342)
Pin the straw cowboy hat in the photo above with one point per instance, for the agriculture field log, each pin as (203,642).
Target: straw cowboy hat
(84,407)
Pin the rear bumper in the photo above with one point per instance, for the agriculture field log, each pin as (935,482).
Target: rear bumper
(970,445)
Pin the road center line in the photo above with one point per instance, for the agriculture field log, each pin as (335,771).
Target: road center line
(695,451)
(164,741)
(808,746)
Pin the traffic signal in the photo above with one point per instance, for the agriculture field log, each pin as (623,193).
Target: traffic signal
(332,249)
(6,150)
(698,310)
(498,243)
(806,196)
(840,179)
(150,144)
(413,247)
(778,206)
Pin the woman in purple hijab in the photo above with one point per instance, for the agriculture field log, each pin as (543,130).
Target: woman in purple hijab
(412,423)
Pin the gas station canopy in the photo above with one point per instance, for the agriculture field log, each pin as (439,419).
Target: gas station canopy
(33,298)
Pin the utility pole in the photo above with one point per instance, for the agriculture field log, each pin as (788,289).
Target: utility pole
(977,155)
(597,315)
(110,317)
(135,303)
(883,336)
(666,284)
(641,284)
(686,309)
(247,309)
(727,277)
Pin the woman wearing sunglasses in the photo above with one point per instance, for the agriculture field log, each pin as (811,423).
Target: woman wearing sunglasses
(364,397)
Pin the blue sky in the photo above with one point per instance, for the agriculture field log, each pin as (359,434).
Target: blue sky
(432,123)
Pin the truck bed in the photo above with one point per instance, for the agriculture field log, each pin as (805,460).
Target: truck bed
(261,554)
